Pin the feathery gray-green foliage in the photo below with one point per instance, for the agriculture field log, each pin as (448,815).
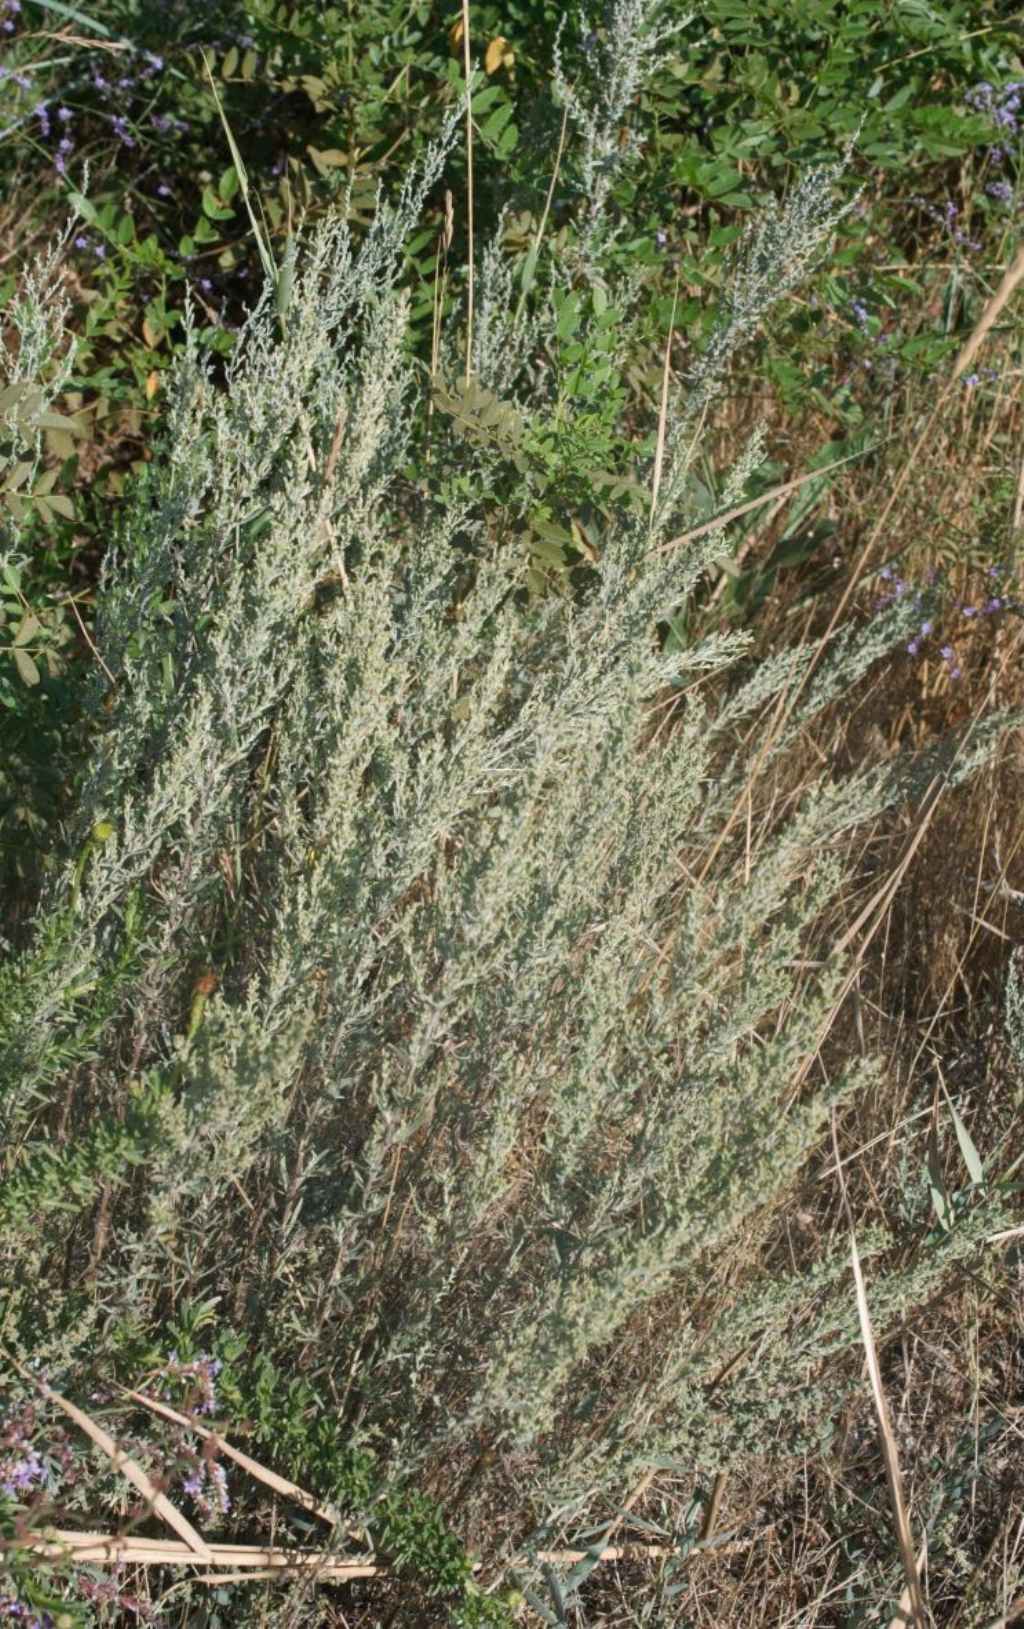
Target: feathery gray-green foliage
(491,1067)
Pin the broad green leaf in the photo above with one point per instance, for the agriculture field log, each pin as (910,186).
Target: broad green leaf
(13,394)
(214,208)
(526,276)
(971,1157)
(26,666)
(59,421)
(84,208)
(27,629)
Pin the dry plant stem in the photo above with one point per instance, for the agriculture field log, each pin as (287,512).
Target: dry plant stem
(903,1605)
(89,42)
(56,1544)
(781,491)
(469,193)
(990,315)
(714,1505)
(121,1461)
(269,1478)
(258,1560)
(535,247)
(61,1544)
(659,455)
(88,639)
(444,243)
(887,1440)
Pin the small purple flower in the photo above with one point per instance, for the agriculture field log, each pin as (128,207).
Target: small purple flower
(81,242)
(23,1474)
(100,251)
(970,610)
(914,647)
(164,191)
(994,604)
(64,114)
(926,629)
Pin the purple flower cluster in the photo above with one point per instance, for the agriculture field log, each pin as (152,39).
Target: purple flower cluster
(22,81)
(207,1484)
(1003,107)
(85,243)
(946,218)
(149,64)
(199,1376)
(861,315)
(21,1468)
(993,604)
(26,1616)
(9,10)
(107,1592)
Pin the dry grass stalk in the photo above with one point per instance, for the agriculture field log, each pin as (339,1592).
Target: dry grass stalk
(124,1463)
(270,1479)
(903,1605)
(110,1550)
(257,1561)
(915,1600)
(1011,277)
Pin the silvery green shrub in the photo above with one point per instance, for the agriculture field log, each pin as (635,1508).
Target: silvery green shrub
(379,992)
